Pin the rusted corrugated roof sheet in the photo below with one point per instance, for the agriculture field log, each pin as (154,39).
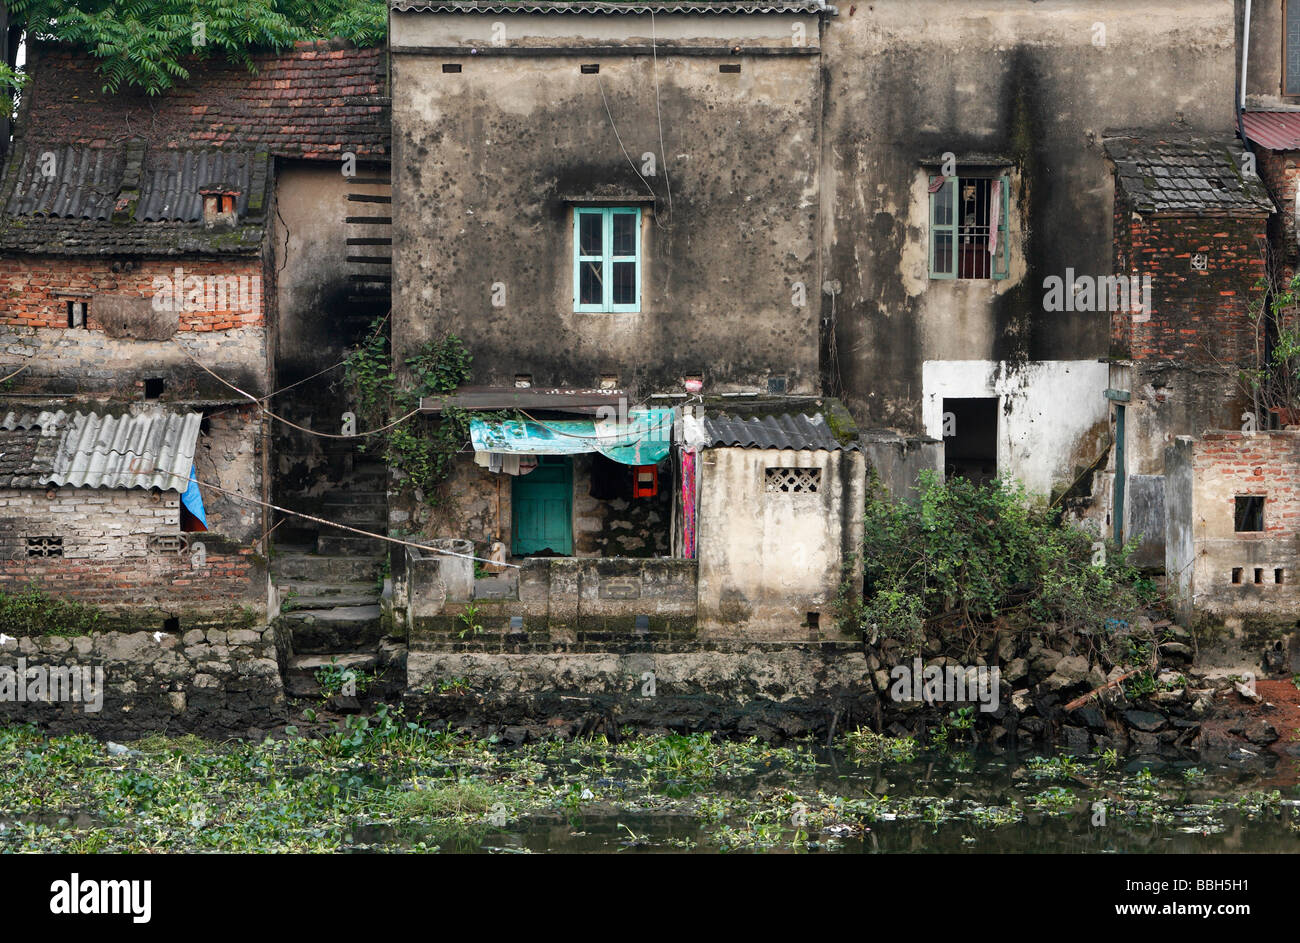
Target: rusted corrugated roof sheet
(1276,130)
(172,187)
(594,6)
(72,182)
(71,212)
(1186,175)
(799,432)
(154,449)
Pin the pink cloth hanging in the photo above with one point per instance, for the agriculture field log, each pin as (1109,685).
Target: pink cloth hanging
(688,504)
(995,215)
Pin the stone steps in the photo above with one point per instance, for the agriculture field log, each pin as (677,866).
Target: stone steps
(328,590)
(347,546)
(341,629)
(325,601)
(314,567)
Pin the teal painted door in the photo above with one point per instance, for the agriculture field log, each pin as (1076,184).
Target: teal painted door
(543,508)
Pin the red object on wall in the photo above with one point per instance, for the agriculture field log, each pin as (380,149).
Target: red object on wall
(645,481)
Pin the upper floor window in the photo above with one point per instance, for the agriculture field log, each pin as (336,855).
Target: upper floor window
(968,227)
(607,259)
(1291,49)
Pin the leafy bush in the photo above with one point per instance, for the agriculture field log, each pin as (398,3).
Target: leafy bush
(983,551)
(422,450)
(32,612)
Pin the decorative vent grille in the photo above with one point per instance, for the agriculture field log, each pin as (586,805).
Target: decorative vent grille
(44,546)
(168,543)
(793,480)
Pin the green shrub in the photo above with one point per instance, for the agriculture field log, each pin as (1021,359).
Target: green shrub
(980,552)
(32,612)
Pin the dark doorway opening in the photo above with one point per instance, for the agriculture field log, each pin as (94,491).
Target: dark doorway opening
(970,438)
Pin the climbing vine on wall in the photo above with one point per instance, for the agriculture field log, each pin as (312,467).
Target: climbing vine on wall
(421,449)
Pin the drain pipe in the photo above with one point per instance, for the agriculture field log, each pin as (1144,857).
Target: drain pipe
(1245,57)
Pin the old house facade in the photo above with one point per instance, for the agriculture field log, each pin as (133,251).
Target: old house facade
(175,285)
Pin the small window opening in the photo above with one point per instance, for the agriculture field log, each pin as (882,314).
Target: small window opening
(523,380)
(1248,513)
(77,314)
(1279,576)
(814,620)
(153,387)
(44,546)
(1259,575)
(590,68)
(1236,575)
(730,68)
(172,625)
(451,67)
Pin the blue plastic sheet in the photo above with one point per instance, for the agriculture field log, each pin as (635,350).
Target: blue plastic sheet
(643,439)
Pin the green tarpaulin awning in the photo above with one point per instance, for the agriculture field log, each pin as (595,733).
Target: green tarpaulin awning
(643,439)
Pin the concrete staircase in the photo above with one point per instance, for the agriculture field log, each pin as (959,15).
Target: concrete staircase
(331,588)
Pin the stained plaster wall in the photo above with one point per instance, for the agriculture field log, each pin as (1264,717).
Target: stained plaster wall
(1052,416)
(766,560)
(911,79)
(484,160)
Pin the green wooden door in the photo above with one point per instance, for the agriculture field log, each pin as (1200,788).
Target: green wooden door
(543,508)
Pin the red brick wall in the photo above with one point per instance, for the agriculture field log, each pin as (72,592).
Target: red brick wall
(1197,317)
(166,583)
(1280,174)
(1265,464)
(34,291)
(302,102)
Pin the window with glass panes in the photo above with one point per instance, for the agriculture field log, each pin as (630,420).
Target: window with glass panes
(968,227)
(607,259)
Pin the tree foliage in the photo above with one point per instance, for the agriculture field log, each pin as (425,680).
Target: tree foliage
(150,44)
(977,552)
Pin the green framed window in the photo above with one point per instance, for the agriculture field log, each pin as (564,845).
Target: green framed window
(607,259)
(968,218)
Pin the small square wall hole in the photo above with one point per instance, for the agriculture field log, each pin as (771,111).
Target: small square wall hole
(590,68)
(172,625)
(451,67)
(153,387)
(1236,575)
(1259,575)
(1279,576)
(731,68)
(1248,513)
(77,314)
(814,620)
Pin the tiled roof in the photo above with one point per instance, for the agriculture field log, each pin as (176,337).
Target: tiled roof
(153,449)
(72,211)
(1276,130)
(595,6)
(801,432)
(313,101)
(1186,175)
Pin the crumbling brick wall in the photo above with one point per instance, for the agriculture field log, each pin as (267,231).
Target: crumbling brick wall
(227,332)
(1246,573)
(1199,316)
(121,548)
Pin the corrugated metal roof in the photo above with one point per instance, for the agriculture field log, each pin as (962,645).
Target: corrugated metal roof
(154,449)
(799,432)
(1276,130)
(1186,175)
(171,189)
(150,450)
(72,212)
(74,183)
(593,6)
